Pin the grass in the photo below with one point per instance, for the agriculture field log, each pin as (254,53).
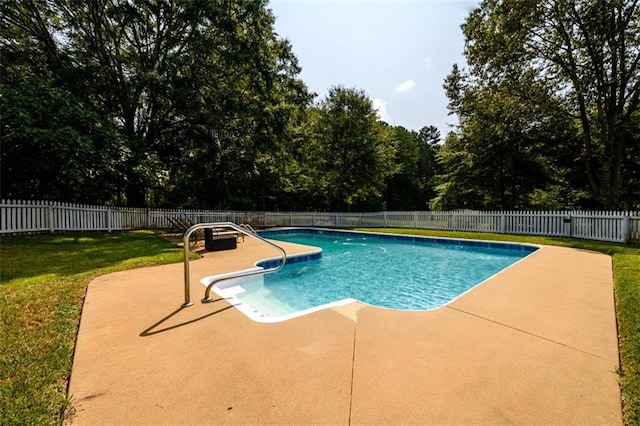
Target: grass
(626,274)
(43,279)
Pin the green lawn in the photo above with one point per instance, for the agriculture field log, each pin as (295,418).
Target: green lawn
(43,279)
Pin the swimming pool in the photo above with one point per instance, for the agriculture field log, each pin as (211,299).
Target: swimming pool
(389,271)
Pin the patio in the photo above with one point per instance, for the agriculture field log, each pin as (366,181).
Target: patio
(536,344)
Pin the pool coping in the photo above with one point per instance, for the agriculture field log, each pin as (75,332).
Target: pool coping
(535,345)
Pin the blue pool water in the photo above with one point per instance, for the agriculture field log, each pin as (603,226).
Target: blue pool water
(396,272)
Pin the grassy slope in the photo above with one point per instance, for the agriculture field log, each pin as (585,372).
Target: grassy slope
(626,271)
(43,279)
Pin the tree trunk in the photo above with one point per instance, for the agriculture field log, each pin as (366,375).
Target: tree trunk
(611,181)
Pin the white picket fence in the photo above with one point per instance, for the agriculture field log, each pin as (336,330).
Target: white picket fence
(46,216)
(43,216)
(593,225)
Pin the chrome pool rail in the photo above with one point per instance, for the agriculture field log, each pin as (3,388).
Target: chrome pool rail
(248,228)
(244,231)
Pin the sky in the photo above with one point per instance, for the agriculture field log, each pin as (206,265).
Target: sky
(398,51)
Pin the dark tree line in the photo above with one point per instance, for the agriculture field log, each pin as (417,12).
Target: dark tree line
(176,103)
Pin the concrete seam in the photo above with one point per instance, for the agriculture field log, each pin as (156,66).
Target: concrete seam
(527,332)
(353,365)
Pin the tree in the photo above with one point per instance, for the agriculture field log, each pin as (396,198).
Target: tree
(356,151)
(402,190)
(429,144)
(165,69)
(411,187)
(456,187)
(304,182)
(239,128)
(505,141)
(202,92)
(27,39)
(631,167)
(577,57)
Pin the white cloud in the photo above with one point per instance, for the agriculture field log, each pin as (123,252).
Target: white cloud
(427,62)
(380,107)
(407,85)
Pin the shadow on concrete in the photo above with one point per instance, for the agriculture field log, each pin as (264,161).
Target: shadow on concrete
(154,329)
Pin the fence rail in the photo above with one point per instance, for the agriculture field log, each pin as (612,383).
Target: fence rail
(44,216)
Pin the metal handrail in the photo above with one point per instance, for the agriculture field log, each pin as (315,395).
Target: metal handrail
(187,278)
(248,228)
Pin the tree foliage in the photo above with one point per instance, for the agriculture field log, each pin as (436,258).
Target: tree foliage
(578,59)
(177,103)
(411,187)
(505,163)
(345,154)
(54,147)
(356,151)
(201,92)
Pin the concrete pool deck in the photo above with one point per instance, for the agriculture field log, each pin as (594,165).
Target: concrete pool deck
(536,344)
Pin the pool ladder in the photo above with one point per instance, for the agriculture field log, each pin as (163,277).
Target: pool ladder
(245,230)
(248,228)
